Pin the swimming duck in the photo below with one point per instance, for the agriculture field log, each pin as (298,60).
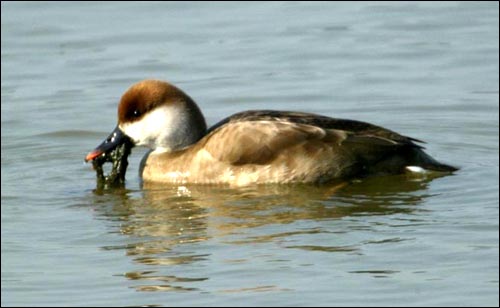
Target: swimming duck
(257,146)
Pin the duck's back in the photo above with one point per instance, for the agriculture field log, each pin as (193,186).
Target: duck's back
(358,127)
(313,148)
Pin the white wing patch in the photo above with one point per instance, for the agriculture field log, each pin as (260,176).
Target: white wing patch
(416,169)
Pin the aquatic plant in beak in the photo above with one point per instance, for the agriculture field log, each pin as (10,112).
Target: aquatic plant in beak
(114,149)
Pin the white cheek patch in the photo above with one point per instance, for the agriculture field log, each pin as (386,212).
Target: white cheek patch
(154,128)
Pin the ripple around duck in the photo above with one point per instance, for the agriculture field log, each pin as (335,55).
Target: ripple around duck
(71,133)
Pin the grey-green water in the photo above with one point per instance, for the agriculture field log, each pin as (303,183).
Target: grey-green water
(427,70)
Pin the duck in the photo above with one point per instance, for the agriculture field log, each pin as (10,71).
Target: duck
(254,146)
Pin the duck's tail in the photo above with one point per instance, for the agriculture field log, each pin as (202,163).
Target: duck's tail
(425,161)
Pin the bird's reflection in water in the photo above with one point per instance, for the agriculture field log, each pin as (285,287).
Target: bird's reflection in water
(164,225)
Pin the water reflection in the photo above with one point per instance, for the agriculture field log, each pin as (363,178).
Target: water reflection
(167,280)
(164,225)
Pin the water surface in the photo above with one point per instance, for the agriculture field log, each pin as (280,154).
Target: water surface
(427,70)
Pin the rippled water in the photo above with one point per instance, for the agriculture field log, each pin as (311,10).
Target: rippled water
(427,70)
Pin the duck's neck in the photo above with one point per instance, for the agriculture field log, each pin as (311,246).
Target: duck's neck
(190,127)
